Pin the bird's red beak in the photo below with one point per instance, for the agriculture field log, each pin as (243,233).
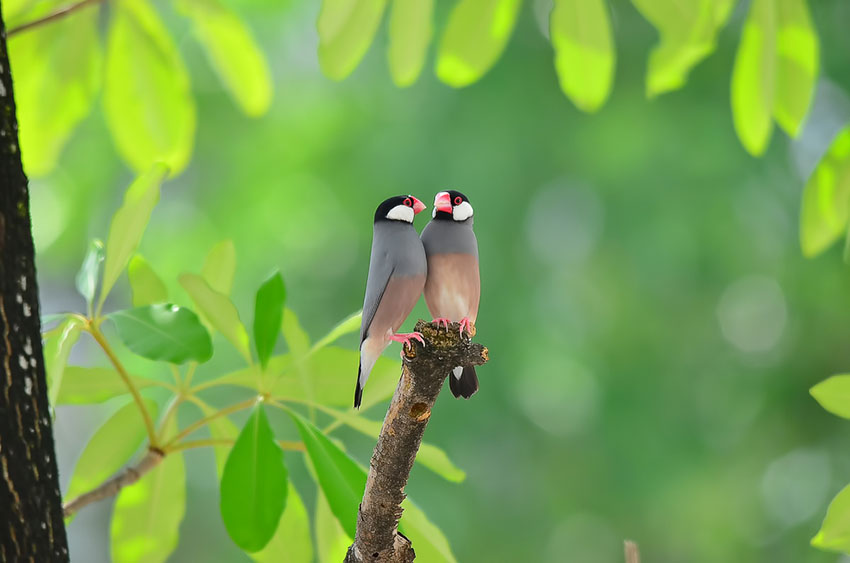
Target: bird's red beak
(417,205)
(443,202)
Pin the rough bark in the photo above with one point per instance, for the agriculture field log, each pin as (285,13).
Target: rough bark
(31,524)
(423,371)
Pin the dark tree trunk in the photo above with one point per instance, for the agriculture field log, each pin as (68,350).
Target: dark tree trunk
(31,524)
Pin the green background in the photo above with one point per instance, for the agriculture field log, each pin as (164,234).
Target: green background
(653,328)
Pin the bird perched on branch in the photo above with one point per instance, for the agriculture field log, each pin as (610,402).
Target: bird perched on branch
(397,270)
(453,287)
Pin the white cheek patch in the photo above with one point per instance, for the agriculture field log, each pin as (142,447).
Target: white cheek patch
(401,213)
(462,212)
(457,372)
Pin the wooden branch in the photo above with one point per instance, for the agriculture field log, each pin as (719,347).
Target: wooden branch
(632,553)
(423,371)
(113,486)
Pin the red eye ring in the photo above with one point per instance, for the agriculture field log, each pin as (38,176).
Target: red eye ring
(407,202)
(458,200)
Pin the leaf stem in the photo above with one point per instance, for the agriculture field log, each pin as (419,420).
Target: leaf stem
(204,421)
(55,15)
(119,367)
(190,371)
(170,411)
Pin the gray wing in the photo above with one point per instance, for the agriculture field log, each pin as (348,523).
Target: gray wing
(380,269)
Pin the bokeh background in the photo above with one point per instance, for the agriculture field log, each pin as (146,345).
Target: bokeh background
(653,327)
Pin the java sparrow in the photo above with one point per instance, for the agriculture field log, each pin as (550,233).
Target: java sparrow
(453,287)
(397,270)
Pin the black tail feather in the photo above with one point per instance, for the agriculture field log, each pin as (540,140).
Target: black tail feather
(358,391)
(467,385)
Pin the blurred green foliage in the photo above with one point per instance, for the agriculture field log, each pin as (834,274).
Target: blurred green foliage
(653,326)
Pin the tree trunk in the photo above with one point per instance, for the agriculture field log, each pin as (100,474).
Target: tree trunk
(31,524)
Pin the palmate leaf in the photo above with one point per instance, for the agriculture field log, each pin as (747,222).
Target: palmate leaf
(110,448)
(428,540)
(346,30)
(233,53)
(475,36)
(86,385)
(86,279)
(833,394)
(218,311)
(410,30)
(128,225)
(826,198)
(146,94)
(331,540)
(834,533)
(346,326)
(688,33)
(584,51)
(145,284)
(268,313)
(775,71)
(146,518)
(220,266)
(254,484)
(164,332)
(57,348)
(63,68)
(342,480)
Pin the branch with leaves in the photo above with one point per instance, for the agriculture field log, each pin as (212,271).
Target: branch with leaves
(260,505)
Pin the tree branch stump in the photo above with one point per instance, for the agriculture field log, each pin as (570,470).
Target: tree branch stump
(423,371)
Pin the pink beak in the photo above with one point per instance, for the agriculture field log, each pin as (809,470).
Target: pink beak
(443,202)
(417,205)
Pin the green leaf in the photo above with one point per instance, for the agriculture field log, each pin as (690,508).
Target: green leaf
(429,455)
(292,541)
(688,33)
(833,394)
(219,267)
(233,53)
(346,29)
(268,314)
(410,30)
(584,51)
(775,71)
(826,198)
(754,78)
(218,311)
(347,326)
(63,63)
(221,428)
(254,485)
(57,347)
(147,287)
(163,332)
(128,225)
(146,94)
(331,540)
(295,336)
(85,385)
(797,64)
(342,480)
(834,534)
(109,449)
(429,542)
(475,36)
(90,271)
(146,518)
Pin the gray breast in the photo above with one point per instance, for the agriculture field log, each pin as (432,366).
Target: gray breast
(449,237)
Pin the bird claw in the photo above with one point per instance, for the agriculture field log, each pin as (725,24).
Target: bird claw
(406,338)
(442,321)
(467,326)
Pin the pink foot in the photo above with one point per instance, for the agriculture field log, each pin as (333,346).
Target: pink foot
(442,321)
(406,338)
(466,325)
